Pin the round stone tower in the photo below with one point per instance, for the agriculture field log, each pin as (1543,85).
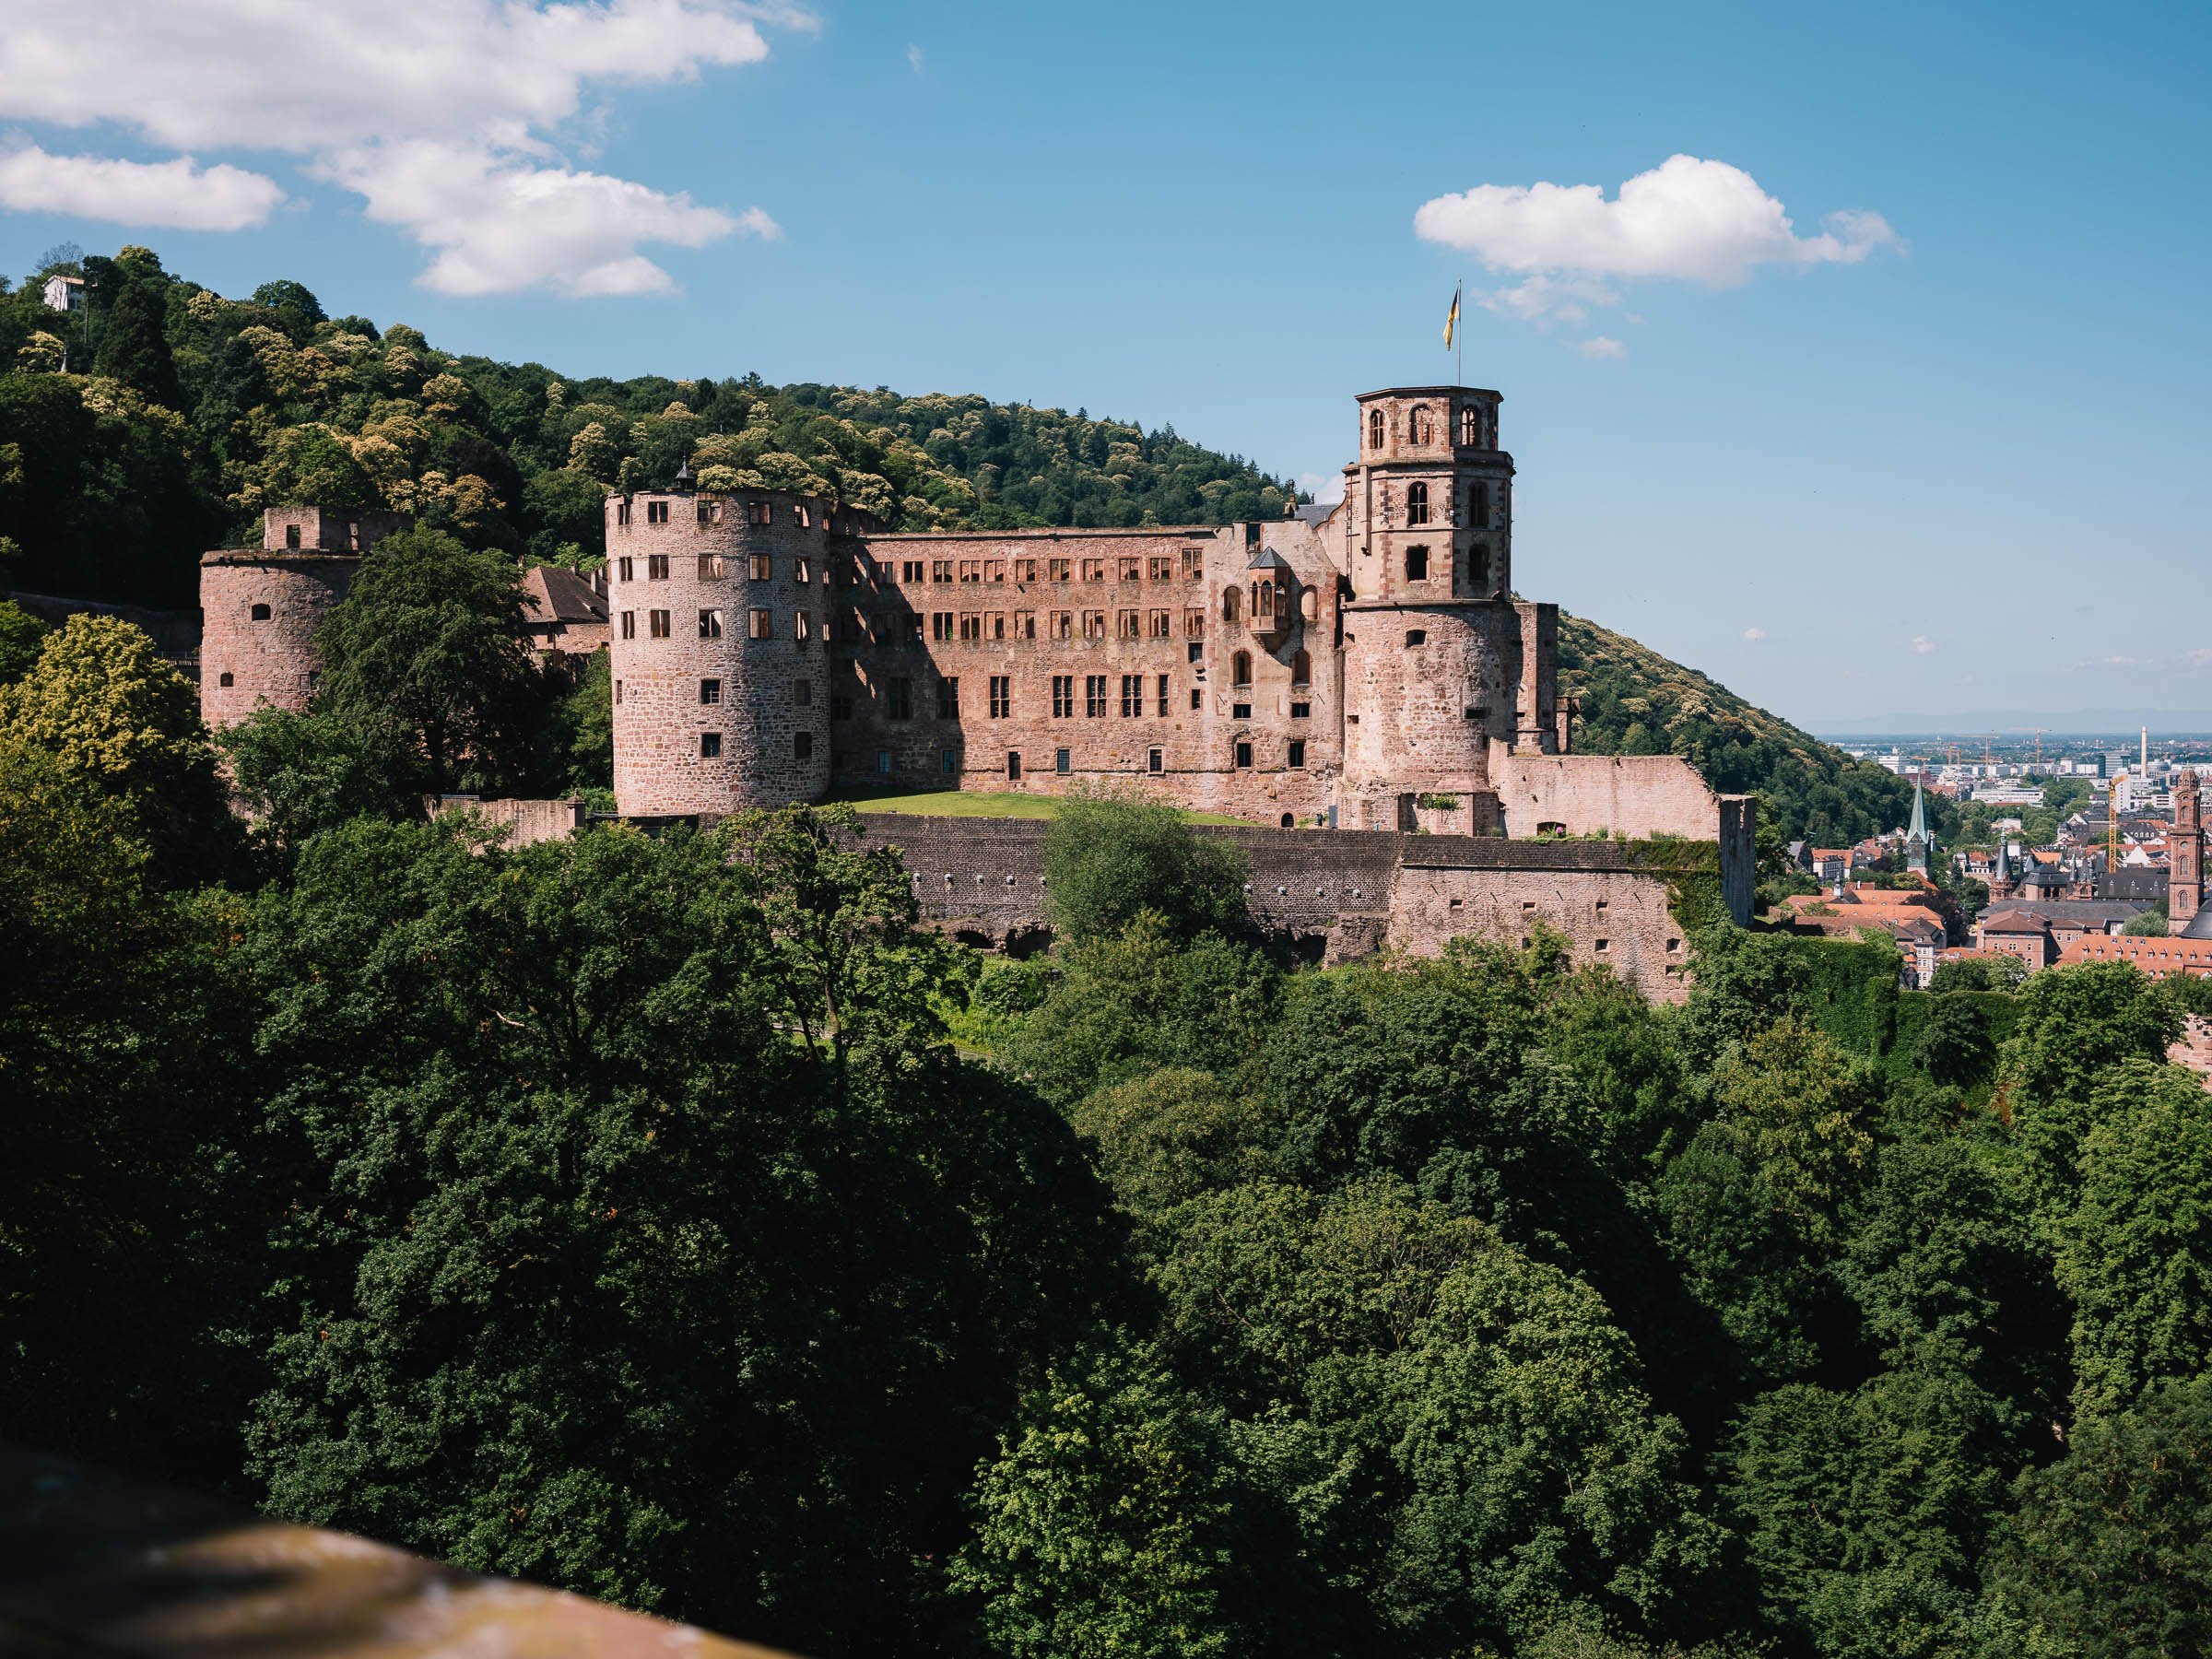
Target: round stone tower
(260,607)
(719,608)
(1433,644)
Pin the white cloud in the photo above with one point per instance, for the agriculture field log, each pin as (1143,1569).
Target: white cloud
(1922,644)
(447,115)
(179,194)
(1601,346)
(499,226)
(1327,488)
(914,57)
(1755,633)
(1688,221)
(2110,662)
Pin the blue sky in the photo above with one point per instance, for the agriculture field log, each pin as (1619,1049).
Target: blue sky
(1950,459)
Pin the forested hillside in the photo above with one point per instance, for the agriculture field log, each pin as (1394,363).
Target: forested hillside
(1634,702)
(198,410)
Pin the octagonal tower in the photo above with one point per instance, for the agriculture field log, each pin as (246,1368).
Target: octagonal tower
(1433,644)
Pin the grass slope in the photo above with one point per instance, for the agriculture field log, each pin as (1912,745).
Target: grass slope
(977,803)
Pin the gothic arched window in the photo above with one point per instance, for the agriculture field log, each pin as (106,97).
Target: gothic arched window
(1374,430)
(1239,669)
(1231,605)
(1470,427)
(1417,503)
(1479,504)
(1419,425)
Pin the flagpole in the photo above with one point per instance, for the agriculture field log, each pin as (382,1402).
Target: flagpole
(1459,336)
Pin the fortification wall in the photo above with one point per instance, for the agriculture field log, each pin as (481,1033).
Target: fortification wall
(1349,892)
(523,821)
(259,612)
(1631,795)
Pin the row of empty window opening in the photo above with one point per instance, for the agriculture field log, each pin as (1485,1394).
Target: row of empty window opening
(709,509)
(964,627)
(1416,504)
(1097,699)
(762,567)
(1421,427)
(802,749)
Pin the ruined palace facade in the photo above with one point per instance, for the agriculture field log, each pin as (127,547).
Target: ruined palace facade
(1362,666)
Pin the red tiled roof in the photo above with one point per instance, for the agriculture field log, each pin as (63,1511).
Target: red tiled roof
(2157,958)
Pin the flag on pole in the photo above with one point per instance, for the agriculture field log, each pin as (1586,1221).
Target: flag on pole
(1452,322)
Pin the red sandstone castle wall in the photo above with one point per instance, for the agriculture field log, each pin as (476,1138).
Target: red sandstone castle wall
(771,690)
(246,660)
(975,608)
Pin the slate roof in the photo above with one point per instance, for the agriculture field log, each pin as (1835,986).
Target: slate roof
(556,594)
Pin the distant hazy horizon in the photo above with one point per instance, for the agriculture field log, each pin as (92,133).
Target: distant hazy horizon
(2015,722)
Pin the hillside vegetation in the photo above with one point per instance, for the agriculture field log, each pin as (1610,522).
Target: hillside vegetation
(198,410)
(1634,702)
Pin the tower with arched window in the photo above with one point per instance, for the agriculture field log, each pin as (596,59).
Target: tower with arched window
(1432,641)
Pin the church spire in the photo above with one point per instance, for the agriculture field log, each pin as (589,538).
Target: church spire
(1916,834)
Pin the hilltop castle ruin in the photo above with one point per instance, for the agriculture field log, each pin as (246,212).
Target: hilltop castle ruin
(1363,666)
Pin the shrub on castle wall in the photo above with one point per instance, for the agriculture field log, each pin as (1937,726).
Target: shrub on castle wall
(1692,870)
(1852,992)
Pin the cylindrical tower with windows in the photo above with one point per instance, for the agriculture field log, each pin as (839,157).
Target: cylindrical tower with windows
(259,612)
(1431,643)
(719,611)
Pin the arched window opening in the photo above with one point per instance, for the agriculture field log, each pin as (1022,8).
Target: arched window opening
(1417,503)
(1374,429)
(1416,564)
(1479,568)
(1301,670)
(1232,604)
(1239,669)
(1263,600)
(1421,432)
(1479,504)
(1470,427)
(225,679)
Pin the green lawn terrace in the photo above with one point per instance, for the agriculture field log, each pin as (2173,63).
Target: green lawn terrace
(982,803)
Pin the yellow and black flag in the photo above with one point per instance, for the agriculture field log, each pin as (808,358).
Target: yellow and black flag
(1451,321)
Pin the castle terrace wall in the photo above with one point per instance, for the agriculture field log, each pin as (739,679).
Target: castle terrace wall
(259,612)
(1352,892)
(522,821)
(1632,797)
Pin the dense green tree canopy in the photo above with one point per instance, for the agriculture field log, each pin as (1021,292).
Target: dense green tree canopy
(104,705)
(428,645)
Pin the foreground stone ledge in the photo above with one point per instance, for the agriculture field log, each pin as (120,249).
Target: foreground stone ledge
(95,1564)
